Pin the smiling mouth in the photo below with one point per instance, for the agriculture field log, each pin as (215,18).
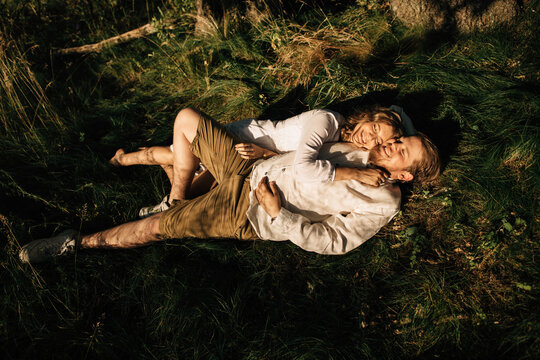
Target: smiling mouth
(385,150)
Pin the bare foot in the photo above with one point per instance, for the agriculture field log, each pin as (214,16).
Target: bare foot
(115,160)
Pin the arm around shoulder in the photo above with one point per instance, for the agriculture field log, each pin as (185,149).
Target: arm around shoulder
(321,127)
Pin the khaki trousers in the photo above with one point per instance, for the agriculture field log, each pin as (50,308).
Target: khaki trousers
(220,213)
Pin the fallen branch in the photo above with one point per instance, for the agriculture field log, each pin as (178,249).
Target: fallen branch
(119,39)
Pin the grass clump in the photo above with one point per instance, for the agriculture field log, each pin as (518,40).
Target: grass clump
(24,103)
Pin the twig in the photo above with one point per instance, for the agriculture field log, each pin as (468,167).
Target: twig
(119,39)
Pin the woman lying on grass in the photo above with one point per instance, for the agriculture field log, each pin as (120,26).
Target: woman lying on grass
(304,133)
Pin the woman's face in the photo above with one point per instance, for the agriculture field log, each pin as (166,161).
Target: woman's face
(367,135)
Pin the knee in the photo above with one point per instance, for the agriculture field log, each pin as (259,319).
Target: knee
(153,228)
(186,118)
(186,122)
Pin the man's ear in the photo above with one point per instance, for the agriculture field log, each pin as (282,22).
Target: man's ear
(405,176)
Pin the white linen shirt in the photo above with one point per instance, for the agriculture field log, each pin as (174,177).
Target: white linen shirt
(328,217)
(304,133)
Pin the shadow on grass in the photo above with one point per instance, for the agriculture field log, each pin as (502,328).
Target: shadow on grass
(387,55)
(289,105)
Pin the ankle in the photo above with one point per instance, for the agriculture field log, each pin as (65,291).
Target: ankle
(120,159)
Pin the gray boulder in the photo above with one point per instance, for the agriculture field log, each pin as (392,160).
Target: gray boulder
(461,15)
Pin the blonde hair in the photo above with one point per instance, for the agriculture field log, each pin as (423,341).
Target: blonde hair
(429,166)
(378,114)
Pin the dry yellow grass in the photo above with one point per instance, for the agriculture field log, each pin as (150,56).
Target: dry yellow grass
(23,100)
(303,53)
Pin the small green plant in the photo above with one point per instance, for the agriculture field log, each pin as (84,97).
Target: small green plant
(411,237)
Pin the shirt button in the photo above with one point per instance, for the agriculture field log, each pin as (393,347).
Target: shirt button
(283,169)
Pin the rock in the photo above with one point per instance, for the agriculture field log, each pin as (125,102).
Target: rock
(461,15)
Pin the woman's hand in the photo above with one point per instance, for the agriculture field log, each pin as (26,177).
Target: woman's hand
(368,176)
(252,151)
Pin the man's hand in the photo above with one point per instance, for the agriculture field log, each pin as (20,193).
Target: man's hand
(252,151)
(268,197)
(368,176)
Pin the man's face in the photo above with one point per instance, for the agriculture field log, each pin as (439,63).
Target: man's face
(396,155)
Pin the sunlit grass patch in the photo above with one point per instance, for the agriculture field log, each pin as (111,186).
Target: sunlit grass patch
(305,51)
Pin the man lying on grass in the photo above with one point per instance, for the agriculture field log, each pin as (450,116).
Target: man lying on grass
(331,217)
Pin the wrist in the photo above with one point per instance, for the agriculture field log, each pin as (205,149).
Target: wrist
(267,154)
(273,211)
(340,173)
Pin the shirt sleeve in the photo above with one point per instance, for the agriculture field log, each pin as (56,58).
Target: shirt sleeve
(321,127)
(336,235)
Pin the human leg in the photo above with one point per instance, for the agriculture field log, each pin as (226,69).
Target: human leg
(220,213)
(181,175)
(129,235)
(154,155)
(182,171)
(185,162)
(169,170)
(201,184)
(214,145)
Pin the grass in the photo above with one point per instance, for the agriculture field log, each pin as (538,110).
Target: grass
(452,276)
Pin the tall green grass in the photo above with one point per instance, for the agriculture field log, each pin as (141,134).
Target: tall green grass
(453,275)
